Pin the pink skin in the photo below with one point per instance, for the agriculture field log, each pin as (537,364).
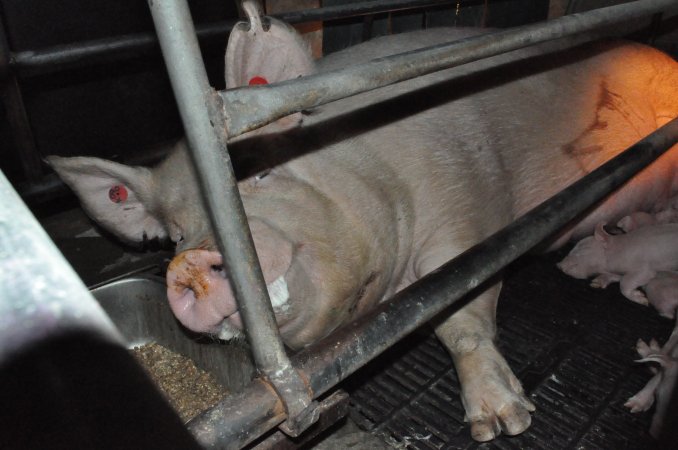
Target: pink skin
(198,293)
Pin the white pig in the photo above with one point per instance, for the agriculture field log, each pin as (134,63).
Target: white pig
(384,187)
(632,259)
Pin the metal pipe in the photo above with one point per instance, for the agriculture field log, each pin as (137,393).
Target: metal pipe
(12,100)
(249,108)
(62,57)
(219,189)
(357,9)
(334,358)
(57,58)
(41,296)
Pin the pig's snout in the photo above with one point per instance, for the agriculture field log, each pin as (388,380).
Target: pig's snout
(199,294)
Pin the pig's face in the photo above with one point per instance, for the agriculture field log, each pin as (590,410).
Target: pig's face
(587,258)
(316,278)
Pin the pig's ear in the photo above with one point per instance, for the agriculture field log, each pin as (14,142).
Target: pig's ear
(601,235)
(118,197)
(263,51)
(255,55)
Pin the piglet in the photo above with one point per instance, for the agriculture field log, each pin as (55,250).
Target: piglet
(660,387)
(632,258)
(636,220)
(666,212)
(662,293)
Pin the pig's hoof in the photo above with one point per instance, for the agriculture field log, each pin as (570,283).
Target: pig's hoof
(492,395)
(637,405)
(636,296)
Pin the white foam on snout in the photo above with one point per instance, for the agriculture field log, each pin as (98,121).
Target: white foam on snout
(278,293)
(228,331)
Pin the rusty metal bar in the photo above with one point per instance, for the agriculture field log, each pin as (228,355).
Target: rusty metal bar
(195,97)
(249,108)
(334,358)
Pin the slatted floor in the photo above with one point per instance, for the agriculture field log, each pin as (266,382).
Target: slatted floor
(570,345)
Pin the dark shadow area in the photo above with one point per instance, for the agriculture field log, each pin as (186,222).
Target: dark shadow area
(77,391)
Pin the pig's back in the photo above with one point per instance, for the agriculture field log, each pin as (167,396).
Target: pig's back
(519,126)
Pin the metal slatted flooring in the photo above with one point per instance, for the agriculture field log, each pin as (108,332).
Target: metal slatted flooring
(572,347)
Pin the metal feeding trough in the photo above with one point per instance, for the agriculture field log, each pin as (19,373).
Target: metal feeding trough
(138,307)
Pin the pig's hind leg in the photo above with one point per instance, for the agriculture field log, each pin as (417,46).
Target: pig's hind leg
(631,282)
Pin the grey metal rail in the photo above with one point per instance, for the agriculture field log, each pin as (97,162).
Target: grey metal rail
(334,358)
(249,108)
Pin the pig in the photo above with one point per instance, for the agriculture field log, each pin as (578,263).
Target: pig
(359,198)
(662,384)
(639,219)
(632,259)
(665,211)
(636,220)
(662,293)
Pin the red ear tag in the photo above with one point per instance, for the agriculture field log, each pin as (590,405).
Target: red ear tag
(257,80)
(117,193)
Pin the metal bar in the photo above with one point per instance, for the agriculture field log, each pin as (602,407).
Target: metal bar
(357,9)
(334,358)
(219,188)
(41,296)
(62,57)
(54,59)
(16,114)
(249,108)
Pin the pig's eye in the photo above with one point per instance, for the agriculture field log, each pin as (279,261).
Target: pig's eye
(175,234)
(262,175)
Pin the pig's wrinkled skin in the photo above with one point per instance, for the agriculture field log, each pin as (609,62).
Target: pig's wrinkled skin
(632,259)
(384,187)
(661,385)
(662,293)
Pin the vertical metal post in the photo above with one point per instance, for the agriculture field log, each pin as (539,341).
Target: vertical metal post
(16,113)
(206,139)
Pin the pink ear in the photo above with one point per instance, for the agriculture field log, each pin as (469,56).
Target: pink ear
(601,235)
(118,197)
(272,55)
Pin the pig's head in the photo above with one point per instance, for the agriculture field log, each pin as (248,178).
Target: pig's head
(588,257)
(316,277)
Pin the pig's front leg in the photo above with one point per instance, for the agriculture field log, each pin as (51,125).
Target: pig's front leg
(604,280)
(492,395)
